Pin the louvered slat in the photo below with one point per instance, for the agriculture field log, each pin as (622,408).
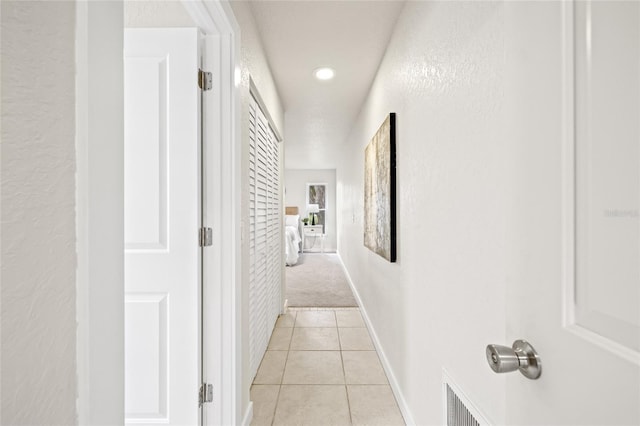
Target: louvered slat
(265,230)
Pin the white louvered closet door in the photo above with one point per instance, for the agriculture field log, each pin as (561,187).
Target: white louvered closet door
(265,271)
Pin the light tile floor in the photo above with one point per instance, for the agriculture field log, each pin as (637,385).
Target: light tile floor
(321,368)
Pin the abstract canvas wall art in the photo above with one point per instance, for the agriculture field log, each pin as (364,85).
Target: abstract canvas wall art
(380,191)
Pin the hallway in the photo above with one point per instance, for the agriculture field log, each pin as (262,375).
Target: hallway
(516,206)
(321,368)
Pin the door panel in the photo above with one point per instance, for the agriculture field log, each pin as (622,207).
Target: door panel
(607,46)
(571,256)
(162,257)
(146,343)
(147,193)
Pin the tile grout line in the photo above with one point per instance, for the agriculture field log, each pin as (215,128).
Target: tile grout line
(344,373)
(286,360)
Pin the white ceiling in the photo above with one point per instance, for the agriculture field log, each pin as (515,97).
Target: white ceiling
(300,36)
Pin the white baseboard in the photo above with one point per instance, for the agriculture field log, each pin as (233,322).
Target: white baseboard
(402,403)
(248,415)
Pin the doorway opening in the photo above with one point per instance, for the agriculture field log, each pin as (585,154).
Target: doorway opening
(315,277)
(101,335)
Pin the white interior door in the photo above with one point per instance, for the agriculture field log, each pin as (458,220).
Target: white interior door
(573,242)
(162,214)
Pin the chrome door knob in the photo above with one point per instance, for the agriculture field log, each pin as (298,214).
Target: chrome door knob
(521,356)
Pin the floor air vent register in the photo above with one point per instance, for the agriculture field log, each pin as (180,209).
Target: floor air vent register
(458,409)
(457,412)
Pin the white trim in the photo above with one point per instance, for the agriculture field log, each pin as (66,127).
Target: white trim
(248,415)
(212,17)
(569,188)
(99,150)
(605,343)
(568,163)
(99,212)
(222,197)
(393,382)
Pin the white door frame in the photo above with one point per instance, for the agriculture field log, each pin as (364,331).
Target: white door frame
(100,213)
(222,298)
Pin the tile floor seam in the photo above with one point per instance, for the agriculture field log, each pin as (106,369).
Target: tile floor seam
(275,407)
(286,360)
(319,384)
(344,374)
(346,390)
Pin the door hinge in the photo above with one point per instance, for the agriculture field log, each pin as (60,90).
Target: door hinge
(205,239)
(206,393)
(205,80)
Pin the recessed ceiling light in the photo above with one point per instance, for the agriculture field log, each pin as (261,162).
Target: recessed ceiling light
(324,73)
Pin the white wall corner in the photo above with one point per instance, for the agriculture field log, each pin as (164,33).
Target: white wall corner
(99,212)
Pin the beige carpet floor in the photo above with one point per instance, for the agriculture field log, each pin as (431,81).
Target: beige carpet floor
(317,280)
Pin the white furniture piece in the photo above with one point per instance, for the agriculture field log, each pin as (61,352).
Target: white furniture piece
(292,235)
(315,232)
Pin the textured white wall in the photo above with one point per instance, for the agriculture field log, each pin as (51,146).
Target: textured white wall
(156,13)
(443,301)
(253,66)
(1,120)
(296,181)
(38,374)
